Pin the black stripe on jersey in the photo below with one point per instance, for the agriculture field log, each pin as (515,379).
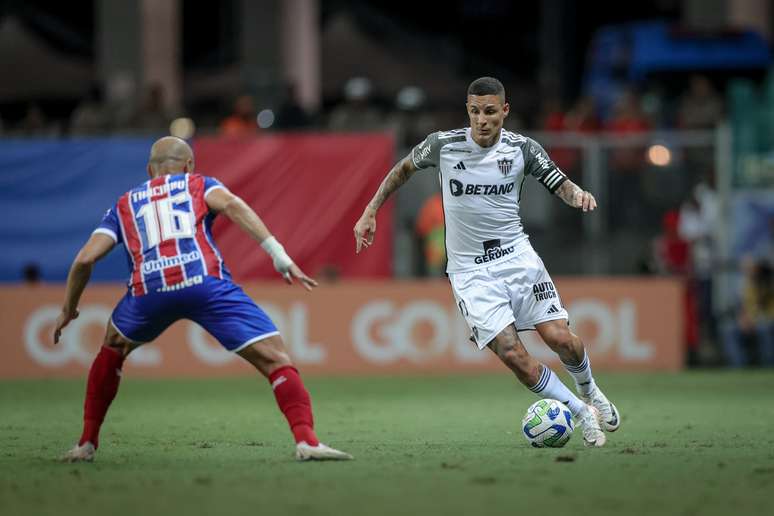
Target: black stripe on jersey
(552,179)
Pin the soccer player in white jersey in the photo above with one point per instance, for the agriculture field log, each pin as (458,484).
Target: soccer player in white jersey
(500,284)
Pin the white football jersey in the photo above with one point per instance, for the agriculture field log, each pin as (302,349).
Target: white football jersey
(481,187)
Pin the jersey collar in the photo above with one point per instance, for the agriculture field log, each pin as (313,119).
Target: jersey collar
(478,147)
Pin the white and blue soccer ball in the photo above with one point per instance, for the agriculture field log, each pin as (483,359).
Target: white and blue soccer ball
(547,424)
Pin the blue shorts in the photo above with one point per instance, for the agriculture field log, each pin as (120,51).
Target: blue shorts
(219,306)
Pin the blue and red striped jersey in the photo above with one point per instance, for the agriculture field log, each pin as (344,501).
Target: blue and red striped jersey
(166,228)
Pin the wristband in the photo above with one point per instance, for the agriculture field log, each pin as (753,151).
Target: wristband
(279,257)
(552,179)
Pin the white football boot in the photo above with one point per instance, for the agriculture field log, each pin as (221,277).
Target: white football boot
(609,416)
(80,453)
(305,451)
(588,420)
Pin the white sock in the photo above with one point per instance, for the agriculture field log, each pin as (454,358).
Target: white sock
(550,386)
(584,382)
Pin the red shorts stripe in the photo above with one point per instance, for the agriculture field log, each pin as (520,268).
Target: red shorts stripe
(133,242)
(211,260)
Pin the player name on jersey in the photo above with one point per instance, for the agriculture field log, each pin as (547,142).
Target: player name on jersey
(156,191)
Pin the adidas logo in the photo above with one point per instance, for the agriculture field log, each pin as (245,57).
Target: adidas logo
(553,310)
(460,166)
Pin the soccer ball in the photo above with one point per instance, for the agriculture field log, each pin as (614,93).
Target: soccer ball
(547,424)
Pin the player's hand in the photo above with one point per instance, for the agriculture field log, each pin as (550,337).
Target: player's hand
(63,320)
(585,201)
(365,229)
(294,272)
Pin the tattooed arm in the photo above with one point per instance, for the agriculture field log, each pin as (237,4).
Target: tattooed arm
(575,196)
(366,226)
(399,174)
(425,155)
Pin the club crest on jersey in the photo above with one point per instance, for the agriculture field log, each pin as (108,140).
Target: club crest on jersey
(505,165)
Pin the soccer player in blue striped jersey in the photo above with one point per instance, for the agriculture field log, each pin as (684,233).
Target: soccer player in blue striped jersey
(177,272)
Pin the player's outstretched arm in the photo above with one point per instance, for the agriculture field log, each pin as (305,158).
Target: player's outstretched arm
(222,201)
(365,228)
(538,164)
(98,246)
(576,196)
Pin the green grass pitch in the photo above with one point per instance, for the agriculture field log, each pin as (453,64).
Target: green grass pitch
(695,443)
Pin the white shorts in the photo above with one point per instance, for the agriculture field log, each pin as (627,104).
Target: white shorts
(518,290)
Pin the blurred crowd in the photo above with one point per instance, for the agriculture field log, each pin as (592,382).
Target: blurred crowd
(357,110)
(740,333)
(410,115)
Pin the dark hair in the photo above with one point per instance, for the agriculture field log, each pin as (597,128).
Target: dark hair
(487,86)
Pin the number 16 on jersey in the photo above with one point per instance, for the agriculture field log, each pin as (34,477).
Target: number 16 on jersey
(162,220)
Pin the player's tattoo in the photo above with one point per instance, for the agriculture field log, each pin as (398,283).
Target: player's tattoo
(399,174)
(567,192)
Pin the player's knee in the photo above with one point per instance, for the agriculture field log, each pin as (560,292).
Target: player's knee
(119,344)
(267,355)
(275,359)
(561,340)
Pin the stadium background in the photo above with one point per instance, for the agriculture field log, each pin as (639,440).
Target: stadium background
(664,109)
